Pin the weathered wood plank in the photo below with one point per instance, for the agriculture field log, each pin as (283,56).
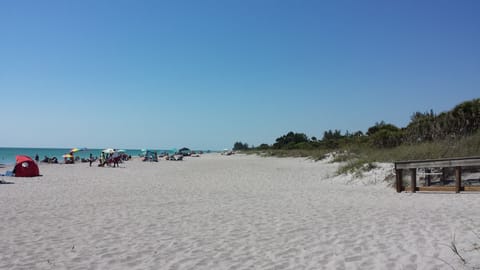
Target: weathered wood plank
(413,175)
(458,179)
(438,163)
(440,188)
(456,163)
(471,188)
(399,179)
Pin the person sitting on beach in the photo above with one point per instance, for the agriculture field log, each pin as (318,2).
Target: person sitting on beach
(50,160)
(68,160)
(72,158)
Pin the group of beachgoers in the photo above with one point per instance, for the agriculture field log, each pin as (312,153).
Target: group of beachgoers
(107,158)
(112,157)
(149,155)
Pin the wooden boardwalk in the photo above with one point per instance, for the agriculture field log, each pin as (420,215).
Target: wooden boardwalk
(435,164)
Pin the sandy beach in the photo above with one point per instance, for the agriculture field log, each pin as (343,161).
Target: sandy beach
(230,212)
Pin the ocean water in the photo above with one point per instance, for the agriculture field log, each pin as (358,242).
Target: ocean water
(8,154)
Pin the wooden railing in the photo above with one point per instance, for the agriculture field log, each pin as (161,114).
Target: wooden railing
(413,165)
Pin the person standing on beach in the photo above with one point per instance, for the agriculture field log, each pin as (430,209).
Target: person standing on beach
(91,159)
(115,158)
(103,159)
(36,158)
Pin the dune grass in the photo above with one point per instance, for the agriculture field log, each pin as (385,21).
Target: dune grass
(360,156)
(315,154)
(463,147)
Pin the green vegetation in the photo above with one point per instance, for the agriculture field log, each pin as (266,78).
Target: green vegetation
(455,133)
(238,146)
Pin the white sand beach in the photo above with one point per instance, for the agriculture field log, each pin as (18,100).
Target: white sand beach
(230,212)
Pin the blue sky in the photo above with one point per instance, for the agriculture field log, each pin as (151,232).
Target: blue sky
(205,74)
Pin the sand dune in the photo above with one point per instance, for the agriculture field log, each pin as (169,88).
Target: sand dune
(229,212)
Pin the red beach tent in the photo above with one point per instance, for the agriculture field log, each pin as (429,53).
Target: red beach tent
(26,167)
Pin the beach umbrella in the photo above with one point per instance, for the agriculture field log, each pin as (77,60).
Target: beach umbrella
(74,150)
(108,151)
(67,156)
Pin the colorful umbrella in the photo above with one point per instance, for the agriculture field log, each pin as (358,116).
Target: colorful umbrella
(78,149)
(67,156)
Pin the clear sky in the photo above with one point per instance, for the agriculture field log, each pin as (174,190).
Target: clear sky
(205,74)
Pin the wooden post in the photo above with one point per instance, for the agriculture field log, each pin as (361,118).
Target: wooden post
(399,180)
(458,179)
(444,176)
(413,174)
(428,177)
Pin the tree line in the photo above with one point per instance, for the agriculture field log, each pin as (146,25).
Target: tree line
(461,121)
